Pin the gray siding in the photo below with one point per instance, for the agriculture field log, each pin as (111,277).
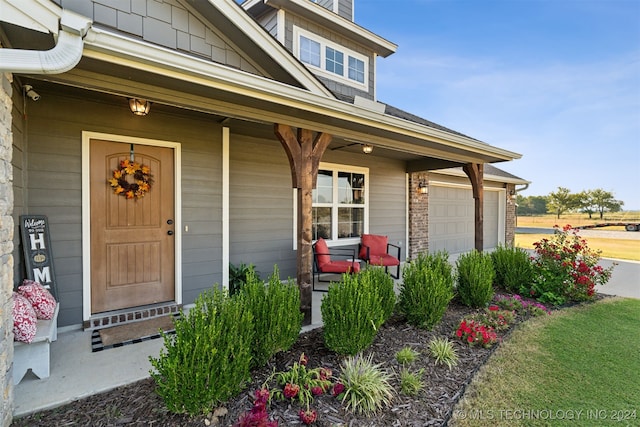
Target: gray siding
(269,21)
(345,9)
(261,200)
(54,167)
(168,23)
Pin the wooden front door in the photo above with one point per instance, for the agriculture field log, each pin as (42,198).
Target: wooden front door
(132,240)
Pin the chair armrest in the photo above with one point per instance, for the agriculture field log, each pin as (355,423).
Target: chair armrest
(391,245)
(367,257)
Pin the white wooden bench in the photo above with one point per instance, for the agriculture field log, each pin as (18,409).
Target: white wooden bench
(35,355)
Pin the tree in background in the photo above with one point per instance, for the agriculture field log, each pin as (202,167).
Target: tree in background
(531,205)
(604,201)
(561,201)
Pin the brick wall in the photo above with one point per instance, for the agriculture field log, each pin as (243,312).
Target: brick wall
(418,216)
(6,250)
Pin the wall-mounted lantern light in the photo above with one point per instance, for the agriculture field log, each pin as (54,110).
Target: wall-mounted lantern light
(139,107)
(422,187)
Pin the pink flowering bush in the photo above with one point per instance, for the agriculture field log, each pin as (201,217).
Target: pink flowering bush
(519,305)
(566,269)
(475,333)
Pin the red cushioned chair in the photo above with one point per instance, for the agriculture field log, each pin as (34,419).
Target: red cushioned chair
(322,262)
(375,250)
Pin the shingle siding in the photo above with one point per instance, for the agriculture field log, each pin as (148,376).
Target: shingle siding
(164,22)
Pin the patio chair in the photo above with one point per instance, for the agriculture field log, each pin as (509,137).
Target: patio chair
(375,250)
(323,264)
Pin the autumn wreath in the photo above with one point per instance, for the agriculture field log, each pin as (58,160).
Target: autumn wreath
(141,180)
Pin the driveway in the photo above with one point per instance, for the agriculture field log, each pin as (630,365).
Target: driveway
(625,279)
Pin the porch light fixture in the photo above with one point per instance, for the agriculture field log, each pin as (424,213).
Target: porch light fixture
(422,187)
(367,148)
(139,107)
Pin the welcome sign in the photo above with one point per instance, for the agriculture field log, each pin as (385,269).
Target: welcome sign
(36,245)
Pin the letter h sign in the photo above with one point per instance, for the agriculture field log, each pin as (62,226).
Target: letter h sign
(36,245)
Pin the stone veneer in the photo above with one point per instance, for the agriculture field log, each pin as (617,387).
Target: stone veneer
(6,250)
(418,216)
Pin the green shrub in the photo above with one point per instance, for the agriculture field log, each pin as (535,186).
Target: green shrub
(352,313)
(381,282)
(207,361)
(406,355)
(442,350)
(475,278)
(426,290)
(367,387)
(238,275)
(513,268)
(411,382)
(276,315)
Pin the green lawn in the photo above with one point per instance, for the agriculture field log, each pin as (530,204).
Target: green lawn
(579,366)
(611,248)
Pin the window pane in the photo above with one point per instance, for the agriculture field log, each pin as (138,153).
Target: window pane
(321,223)
(350,222)
(309,51)
(356,69)
(350,188)
(334,61)
(323,192)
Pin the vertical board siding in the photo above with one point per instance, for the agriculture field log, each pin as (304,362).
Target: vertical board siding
(54,185)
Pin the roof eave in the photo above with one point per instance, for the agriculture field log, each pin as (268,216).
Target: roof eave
(330,20)
(383,129)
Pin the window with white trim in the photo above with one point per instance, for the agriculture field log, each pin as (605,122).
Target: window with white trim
(330,59)
(340,203)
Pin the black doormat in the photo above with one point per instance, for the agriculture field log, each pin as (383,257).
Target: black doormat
(132,333)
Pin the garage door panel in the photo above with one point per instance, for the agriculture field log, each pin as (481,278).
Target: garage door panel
(452,219)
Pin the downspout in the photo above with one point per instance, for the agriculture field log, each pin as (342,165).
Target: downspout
(62,57)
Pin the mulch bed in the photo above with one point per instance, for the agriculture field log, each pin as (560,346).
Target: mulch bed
(138,405)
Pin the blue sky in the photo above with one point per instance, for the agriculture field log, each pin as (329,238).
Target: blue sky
(557,81)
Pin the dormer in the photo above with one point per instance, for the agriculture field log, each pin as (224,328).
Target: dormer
(322,35)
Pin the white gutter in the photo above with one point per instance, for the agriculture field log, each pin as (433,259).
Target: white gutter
(63,57)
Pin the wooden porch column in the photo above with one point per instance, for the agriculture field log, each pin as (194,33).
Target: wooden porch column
(304,155)
(475,172)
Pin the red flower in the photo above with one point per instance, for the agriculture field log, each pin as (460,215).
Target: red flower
(325,374)
(308,417)
(494,308)
(317,390)
(338,388)
(291,390)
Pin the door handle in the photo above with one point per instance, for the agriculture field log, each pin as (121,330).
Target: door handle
(170,232)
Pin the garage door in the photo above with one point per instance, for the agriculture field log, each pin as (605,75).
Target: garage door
(452,222)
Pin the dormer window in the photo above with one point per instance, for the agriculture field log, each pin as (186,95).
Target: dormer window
(331,59)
